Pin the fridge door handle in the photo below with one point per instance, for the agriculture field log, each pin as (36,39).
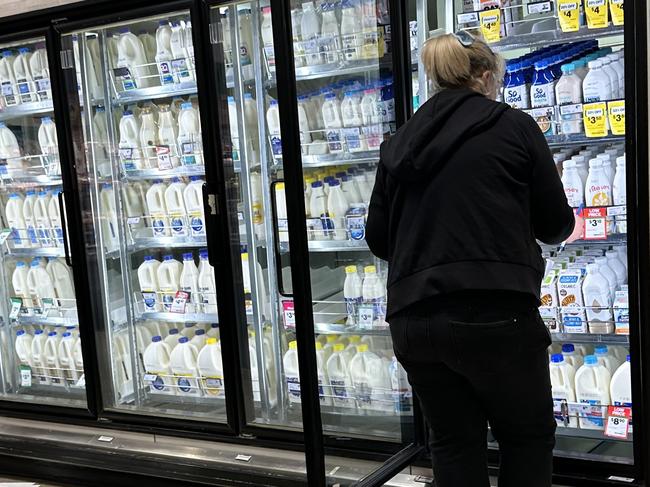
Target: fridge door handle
(211,210)
(276,240)
(64,229)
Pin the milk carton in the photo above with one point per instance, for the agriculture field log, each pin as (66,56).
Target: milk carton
(210,367)
(148,279)
(207,289)
(157,365)
(51,359)
(292,373)
(189,281)
(175,204)
(21,290)
(370,380)
(622,312)
(620,387)
(606,358)
(169,274)
(38,357)
(549,299)
(569,288)
(592,390)
(158,209)
(183,364)
(340,380)
(572,356)
(193,196)
(596,295)
(562,385)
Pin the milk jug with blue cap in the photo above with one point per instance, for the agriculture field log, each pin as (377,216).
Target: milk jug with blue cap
(592,389)
(183,364)
(158,367)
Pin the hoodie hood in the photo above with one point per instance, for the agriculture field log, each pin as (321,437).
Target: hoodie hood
(422,145)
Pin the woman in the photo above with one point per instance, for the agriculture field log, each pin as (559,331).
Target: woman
(464,190)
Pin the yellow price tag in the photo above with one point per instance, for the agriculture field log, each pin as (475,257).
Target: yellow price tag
(595,119)
(616,9)
(596,11)
(616,110)
(569,13)
(491,24)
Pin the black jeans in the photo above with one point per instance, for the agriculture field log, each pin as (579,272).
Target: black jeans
(474,363)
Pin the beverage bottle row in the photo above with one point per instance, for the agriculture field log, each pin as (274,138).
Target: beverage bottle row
(598,379)
(359,373)
(24,76)
(54,358)
(41,281)
(34,219)
(603,184)
(15,158)
(567,74)
(365,297)
(156,140)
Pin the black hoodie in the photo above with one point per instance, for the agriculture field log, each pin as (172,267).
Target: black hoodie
(463,191)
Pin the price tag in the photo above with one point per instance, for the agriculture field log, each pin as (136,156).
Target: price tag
(571,109)
(616,9)
(596,11)
(128,83)
(595,119)
(25,376)
(491,24)
(289,314)
(105,439)
(366,317)
(180,300)
(618,422)
(616,111)
(163,154)
(595,223)
(149,377)
(16,304)
(4,235)
(133,220)
(468,18)
(539,8)
(569,14)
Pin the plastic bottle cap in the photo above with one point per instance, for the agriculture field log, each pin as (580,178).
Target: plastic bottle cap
(244,256)
(67,334)
(188,256)
(569,164)
(20,263)
(52,334)
(46,119)
(351,269)
(334,182)
(556,358)
(627,359)
(20,333)
(332,338)
(214,325)
(7,53)
(23,50)
(567,68)
(279,186)
(168,257)
(173,331)
(186,105)
(541,65)
(319,346)
(200,332)
(370,269)
(163,22)
(203,254)
(568,347)
(355,339)
(147,258)
(595,163)
(183,340)
(43,194)
(293,345)
(38,332)
(362,348)
(126,113)
(595,64)
(190,325)
(592,268)
(317,184)
(600,350)
(35,263)
(591,360)
(339,347)
(248,96)
(211,341)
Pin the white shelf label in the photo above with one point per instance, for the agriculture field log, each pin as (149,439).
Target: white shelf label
(25,376)
(539,8)
(467,18)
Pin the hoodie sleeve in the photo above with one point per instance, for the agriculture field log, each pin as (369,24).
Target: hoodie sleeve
(552,217)
(377,223)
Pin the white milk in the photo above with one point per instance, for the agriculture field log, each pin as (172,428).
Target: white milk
(245,42)
(267,36)
(41,72)
(373,130)
(252,135)
(169,275)
(619,189)
(332,120)
(352,120)
(310,27)
(39,284)
(175,204)
(352,293)
(51,361)
(318,210)
(324,391)
(168,134)
(148,138)
(193,197)
(189,46)
(330,39)
(109,217)
(131,54)
(234,127)
(183,364)
(207,289)
(19,283)
(562,385)
(63,282)
(598,190)
(350,31)
(172,338)
(607,359)
(8,80)
(149,44)
(148,280)
(210,368)
(298,48)
(9,148)
(65,353)
(157,208)
(23,75)
(337,207)
(340,380)
(613,76)
(291,372)
(199,339)
(370,380)
(620,387)
(133,207)
(129,145)
(618,68)
(617,266)
(47,140)
(568,91)
(608,273)
(592,387)
(189,136)
(16,220)
(38,357)
(573,185)
(28,217)
(42,219)
(304,124)
(24,347)
(597,299)
(181,63)
(374,294)
(273,123)
(189,282)
(597,85)
(164,54)
(213,332)
(157,362)
(571,356)
(350,190)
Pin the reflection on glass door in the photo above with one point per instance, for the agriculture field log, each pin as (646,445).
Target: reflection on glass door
(40,352)
(142,193)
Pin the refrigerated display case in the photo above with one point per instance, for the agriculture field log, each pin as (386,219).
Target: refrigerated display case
(41,357)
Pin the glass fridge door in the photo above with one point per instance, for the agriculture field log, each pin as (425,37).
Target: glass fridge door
(584,126)
(142,198)
(40,356)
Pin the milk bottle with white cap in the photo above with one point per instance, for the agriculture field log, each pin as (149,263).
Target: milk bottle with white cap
(158,209)
(175,204)
(352,121)
(148,136)
(131,55)
(562,386)
(620,387)
(597,299)
(8,80)
(337,207)
(573,185)
(149,44)
(9,148)
(38,357)
(608,273)
(597,85)
(49,146)
(333,124)
(42,222)
(292,373)
(65,355)
(169,274)
(340,380)
(210,368)
(310,28)
(189,136)
(189,281)
(370,380)
(62,281)
(129,145)
(16,221)
(40,70)
(148,279)
(592,387)
(157,364)
(24,347)
(21,289)
(617,266)
(180,63)
(330,40)
(351,38)
(23,75)
(50,358)
(183,364)
(40,286)
(193,197)
(598,190)
(109,217)
(619,189)
(164,54)
(613,76)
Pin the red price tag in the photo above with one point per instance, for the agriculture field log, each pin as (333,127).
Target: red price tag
(618,422)
(289,314)
(180,300)
(595,223)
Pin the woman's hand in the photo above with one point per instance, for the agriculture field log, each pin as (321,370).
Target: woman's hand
(578,229)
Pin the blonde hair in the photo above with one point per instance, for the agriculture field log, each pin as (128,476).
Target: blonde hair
(449,64)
